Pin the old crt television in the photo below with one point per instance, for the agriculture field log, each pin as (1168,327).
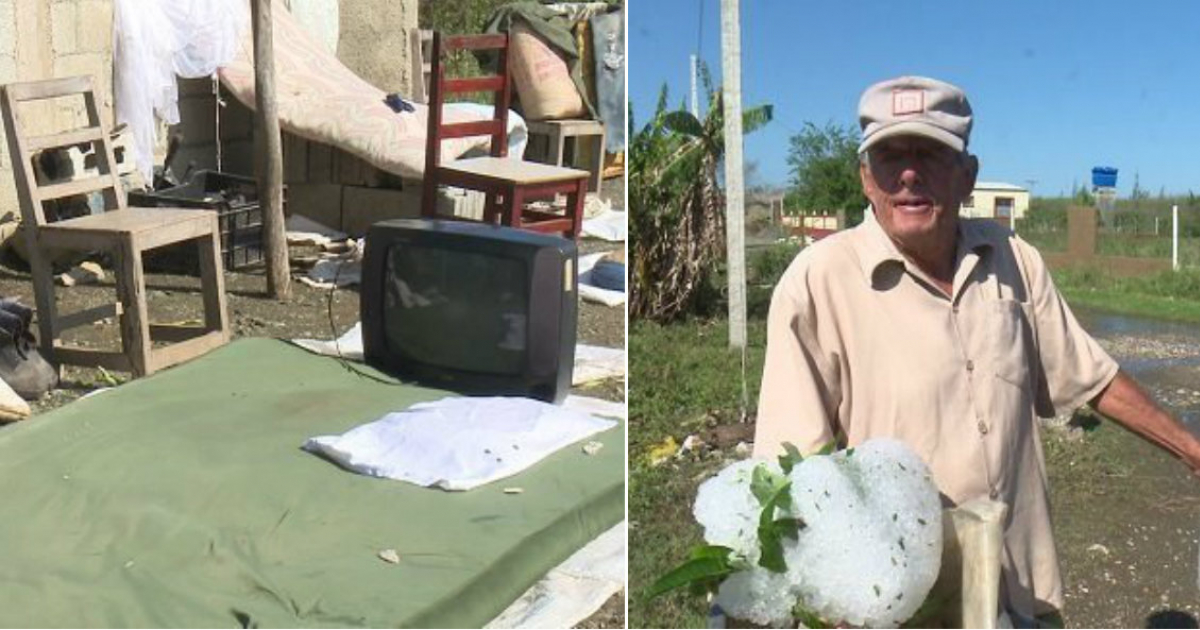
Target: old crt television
(470,307)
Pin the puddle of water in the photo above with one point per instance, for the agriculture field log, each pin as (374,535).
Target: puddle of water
(1154,373)
(1103,324)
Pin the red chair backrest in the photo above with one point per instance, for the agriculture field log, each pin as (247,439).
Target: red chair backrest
(440,87)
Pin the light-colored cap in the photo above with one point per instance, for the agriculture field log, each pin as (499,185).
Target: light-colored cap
(914,106)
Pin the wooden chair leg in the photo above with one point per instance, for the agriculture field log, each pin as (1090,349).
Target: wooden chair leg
(555,141)
(575,203)
(491,207)
(429,191)
(135,319)
(513,207)
(212,282)
(43,296)
(597,163)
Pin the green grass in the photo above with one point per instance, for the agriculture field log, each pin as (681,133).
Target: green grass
(1167,295)
(683,380)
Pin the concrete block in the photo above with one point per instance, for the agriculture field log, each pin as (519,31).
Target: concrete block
(198,119)
(64,25)
(320,163)
(8,29)
(237,120)
(8,68)
(95,30)
(295,159)
(237,157)
(195,87)
(320,202)
(362,207)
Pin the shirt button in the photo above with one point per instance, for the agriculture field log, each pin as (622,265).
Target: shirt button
(994,494)
(983,427)
(970,365)
(954,310)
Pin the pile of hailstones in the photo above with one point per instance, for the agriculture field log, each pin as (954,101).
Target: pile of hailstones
(868,553)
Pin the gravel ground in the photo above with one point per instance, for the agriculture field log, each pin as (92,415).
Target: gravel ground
(1125,513)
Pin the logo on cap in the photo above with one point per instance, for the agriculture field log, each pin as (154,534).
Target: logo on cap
(908,102)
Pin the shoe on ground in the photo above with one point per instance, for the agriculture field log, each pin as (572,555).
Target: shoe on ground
(24,369)
(12,406)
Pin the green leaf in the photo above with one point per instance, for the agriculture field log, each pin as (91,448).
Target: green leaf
(828,448)
(683,122)
(809,618)
(771,555)
(756,117)
(790,458)
(710,551)
(705,572)
(765,484)
(774,492)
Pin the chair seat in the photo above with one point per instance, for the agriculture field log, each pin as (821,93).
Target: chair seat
(512,171)
(131,220)
(151,227)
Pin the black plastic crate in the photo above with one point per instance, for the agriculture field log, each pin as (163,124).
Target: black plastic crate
(233,197)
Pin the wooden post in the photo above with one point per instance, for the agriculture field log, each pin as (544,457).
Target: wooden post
(735,213)
(268,162)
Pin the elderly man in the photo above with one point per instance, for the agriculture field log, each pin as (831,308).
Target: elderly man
(945,333)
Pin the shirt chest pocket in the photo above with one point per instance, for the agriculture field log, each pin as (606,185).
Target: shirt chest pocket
(1008,336)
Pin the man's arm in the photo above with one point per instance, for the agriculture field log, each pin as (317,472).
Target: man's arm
(1124,401)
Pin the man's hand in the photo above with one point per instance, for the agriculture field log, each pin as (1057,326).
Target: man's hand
(1124,401)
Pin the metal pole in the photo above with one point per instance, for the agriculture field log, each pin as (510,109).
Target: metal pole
(1175,238)
(731,70)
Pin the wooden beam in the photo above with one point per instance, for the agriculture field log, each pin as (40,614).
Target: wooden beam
(269,154)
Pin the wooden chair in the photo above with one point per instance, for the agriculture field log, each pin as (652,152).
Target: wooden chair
(508,184)
(126,233)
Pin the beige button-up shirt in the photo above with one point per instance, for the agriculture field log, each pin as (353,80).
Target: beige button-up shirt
(860,340)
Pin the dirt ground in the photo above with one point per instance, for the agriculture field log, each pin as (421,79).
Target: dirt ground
(310,313)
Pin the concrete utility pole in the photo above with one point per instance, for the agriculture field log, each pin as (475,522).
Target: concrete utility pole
(695,100)
(1175,238)
(268,154)
(735,214)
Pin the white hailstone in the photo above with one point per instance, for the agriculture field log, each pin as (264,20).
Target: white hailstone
(759,596)
(872,544)
(727,509)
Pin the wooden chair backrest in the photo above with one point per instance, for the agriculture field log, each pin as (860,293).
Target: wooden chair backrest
(24,148)
(440,87)
(420,42)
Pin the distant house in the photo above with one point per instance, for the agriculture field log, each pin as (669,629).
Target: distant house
(996,200)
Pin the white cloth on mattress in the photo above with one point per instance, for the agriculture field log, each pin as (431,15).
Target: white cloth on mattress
(458,443)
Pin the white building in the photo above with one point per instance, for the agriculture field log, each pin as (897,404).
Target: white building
(996,200)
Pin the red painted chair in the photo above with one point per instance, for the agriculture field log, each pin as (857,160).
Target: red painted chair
(508,184)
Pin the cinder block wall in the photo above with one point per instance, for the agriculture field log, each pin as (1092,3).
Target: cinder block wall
(42,39)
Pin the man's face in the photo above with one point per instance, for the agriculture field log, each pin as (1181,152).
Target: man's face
(916,186)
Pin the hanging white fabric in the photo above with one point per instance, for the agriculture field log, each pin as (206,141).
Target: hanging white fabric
(156,40)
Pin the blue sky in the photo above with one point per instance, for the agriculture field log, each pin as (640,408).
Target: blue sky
(1057,87)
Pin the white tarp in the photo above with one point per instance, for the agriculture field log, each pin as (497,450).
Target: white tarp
(591,362)
(574,589)
(156,40)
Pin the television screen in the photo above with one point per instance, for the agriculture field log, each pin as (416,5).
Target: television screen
(470,307)
(460,310)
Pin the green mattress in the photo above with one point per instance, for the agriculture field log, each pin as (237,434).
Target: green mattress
(184,499)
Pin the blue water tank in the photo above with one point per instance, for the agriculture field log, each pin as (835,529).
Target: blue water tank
(1104,176)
